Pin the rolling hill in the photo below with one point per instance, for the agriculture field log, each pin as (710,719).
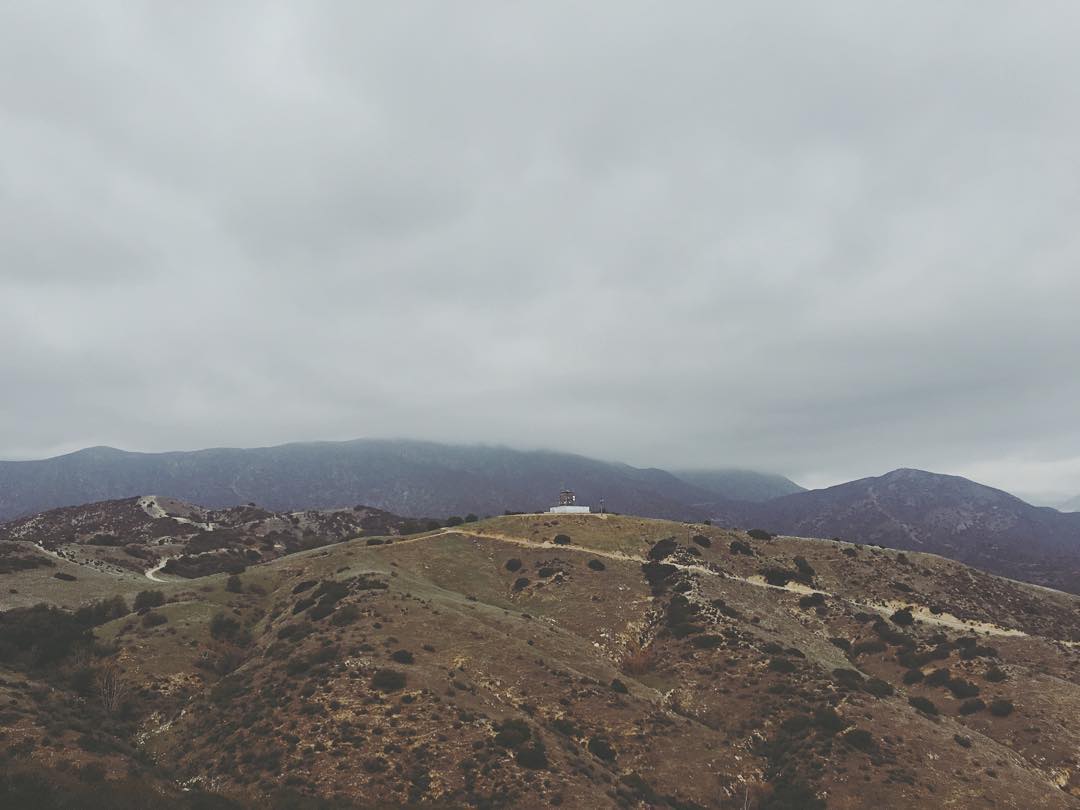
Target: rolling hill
(581,661)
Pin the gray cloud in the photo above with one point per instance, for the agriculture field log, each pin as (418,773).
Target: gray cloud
(823,239)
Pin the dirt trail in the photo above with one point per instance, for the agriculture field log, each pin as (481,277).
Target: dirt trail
(151,573)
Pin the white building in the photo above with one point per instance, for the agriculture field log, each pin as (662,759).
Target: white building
(568,504)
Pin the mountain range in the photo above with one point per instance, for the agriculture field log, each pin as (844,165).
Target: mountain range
(905,509)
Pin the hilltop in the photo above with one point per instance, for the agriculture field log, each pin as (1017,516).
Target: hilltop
(540,660)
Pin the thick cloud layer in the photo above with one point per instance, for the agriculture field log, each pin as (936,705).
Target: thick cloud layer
(826,239)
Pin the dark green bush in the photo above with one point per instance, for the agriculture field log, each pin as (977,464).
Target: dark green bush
(388,680)
(759,534)
(972,706)
(860,739)
(224,628)
(600,747)
(1001,707)
(149,599)
(781,665)
(878,687)
(923,705)
(512,733)
(903,617)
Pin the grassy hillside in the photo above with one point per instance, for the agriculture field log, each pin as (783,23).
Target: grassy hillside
(582,661)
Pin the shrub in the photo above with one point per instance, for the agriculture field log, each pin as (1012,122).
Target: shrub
(152,619)
(471,518)
(778,577)
(454,520)
(739,547)
(1001,707)
(657,574)
(65,577)
(826,719)
(805,569)
(702,541)
(923,705)
(759,534)
(388,680)
(709,641)
(596,565)
(224,627)
(532,756)
(781,665)
(619,686)
(903,617)
(913,676)
(961,688)
(149,599)
(662,549)
(512,733)
(513,564)
(878,687)
(402,657)
(234,585)
(849,678)
(995,674)
(521,583)
(939,677)
(860,739)
(562,539)
(345,616)
(600,747)
(972,706)
(812,600)
(871,646)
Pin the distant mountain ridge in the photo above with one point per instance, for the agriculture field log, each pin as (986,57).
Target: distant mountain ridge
(1071,506)
(741,485)
(410,478)
(905,509)
(943,514)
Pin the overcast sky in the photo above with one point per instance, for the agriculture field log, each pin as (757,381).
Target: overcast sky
(826,239)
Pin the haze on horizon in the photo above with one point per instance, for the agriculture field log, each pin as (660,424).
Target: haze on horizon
(826,241)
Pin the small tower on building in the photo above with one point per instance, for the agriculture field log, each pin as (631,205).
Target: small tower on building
(568,504)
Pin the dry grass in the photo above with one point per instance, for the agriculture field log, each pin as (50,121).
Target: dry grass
(639,661)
